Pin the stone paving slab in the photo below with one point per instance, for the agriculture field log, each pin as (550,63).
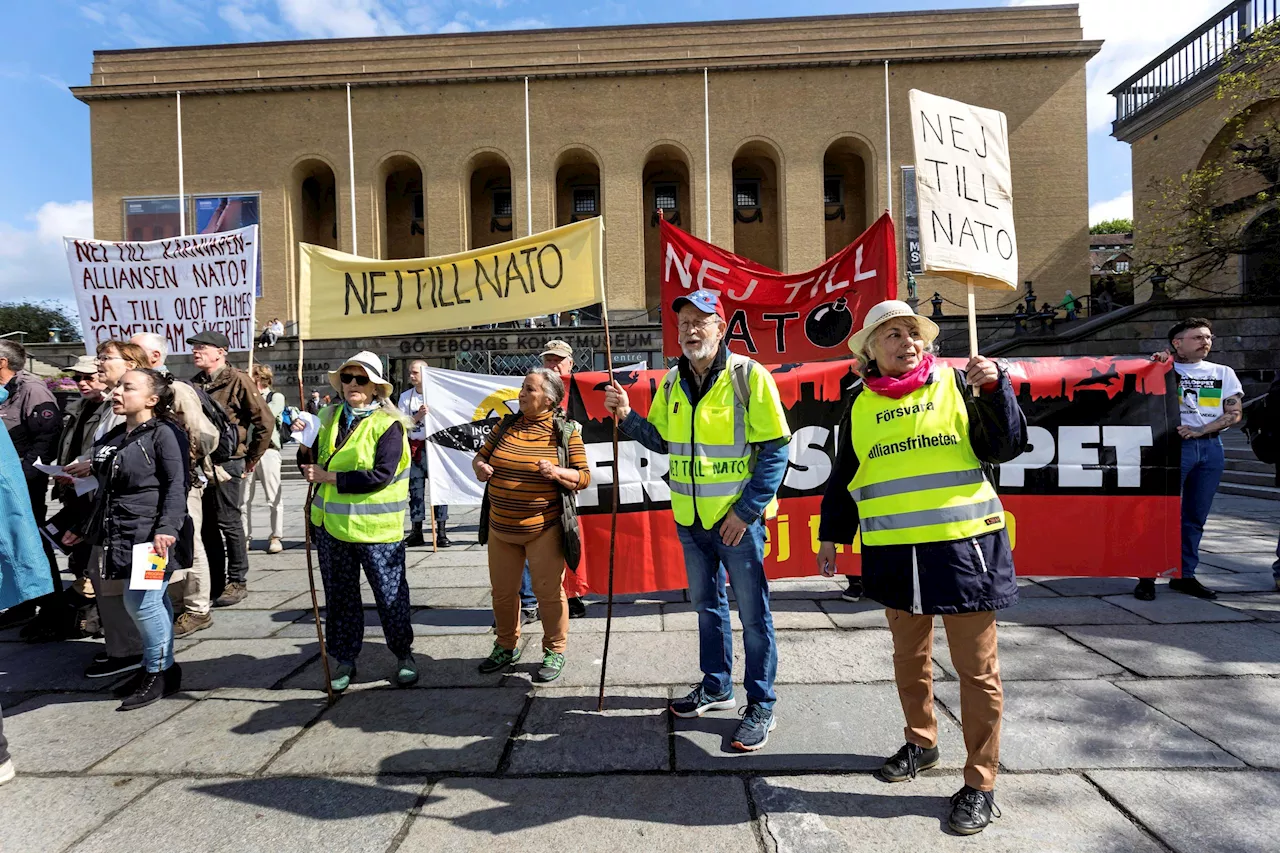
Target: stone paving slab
(1242,715)
(30,825)
(425,621)
(407,731)
(465,597)
(626,617)
(230,732)
(1239,553)
(1173,608)
(1089,586)
(25,667)
(1201,812)
(70,732)
(261,599)
(211,664)
(1243,582)
(1259,605)
(1065,611)
(229,624)
(789,614)
(861,614)
(443,661)
(563,732)
(845,727)
(1029,588)
(635,658)
(1036,654)
(282,581)
(834,657)
(449,576)
(842,814)
(598,815)
(277,815)
(1184,650)
(1054,725)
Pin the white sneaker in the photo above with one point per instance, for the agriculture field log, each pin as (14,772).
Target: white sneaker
(7,771)
(274,546)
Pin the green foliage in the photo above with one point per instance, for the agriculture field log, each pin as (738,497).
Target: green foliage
(1112,226)
(37,318)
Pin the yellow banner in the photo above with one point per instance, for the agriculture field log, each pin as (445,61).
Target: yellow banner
(346,296)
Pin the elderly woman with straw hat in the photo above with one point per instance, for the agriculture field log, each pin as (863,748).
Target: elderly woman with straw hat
(911,475)
(360,469)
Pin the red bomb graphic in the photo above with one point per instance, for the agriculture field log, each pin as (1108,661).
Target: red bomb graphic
(829,324)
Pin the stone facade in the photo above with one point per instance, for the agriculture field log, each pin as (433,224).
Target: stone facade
(620,110)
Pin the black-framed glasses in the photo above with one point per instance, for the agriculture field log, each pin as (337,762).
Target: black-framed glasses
(348,378)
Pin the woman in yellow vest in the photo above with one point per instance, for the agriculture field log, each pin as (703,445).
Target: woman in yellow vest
(909,477)
(360,467)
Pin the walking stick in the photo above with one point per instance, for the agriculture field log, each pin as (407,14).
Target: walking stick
(613,518)
(311,572)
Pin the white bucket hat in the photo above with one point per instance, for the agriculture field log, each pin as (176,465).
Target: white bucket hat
(883,312)
(372,365)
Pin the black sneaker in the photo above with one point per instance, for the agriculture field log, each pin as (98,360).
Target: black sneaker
(1145,590)
(130,685)
(577,608)
(499,658)
(699,702)
(113,666)
(153,687)
(907,762)
(971,810)
(753,731)
(1192,586)
(854,592)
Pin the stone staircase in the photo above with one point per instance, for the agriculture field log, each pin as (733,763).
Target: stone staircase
(1245,475)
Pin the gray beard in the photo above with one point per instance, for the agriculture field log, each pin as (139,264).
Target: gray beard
(702,352)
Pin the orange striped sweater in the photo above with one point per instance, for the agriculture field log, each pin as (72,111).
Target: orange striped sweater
(521,501)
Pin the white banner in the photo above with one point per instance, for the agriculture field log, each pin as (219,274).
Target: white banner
(462,409)
(175,288)
(965,189)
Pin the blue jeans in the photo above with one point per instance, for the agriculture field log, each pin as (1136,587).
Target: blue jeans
(152,612)
(706,561)
(528,601)
(1202,464)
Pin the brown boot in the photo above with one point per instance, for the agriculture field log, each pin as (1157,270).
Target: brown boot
(188,623)
(233,594)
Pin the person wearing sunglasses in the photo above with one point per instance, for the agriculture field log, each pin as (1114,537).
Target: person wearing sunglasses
(359,467)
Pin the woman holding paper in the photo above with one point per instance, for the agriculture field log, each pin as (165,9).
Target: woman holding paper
(909,474)
(142,471)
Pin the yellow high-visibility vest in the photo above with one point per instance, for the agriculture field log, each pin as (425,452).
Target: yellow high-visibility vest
(368,518)
(918,479)
(710,448)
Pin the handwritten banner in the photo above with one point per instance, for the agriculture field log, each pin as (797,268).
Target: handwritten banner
(174,288)
(345,296)
(965,189)
(774,317)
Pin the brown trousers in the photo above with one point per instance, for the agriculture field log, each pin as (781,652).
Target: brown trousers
(545,554)
(971,638)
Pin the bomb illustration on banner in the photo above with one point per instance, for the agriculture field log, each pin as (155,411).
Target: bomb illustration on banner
(829,324)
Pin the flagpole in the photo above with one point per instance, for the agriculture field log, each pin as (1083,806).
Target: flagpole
(706,132)
(613,513)
(351,170)
(426,485)
(888,143)
(182,194)
(528,165)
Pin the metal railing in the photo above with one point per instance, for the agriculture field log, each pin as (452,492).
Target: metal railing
(1197,56)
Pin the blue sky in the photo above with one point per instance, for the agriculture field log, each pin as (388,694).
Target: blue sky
(48,45)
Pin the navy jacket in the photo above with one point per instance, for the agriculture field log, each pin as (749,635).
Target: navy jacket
(961,576)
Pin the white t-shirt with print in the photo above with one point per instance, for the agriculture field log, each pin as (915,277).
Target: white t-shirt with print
(1201,389)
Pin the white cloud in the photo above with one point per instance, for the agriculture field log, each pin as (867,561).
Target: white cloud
(340,18)
(33,265)
(1120,207)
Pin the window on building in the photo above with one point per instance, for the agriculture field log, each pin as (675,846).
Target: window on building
(833,189)
(1122,266)
(746,194)
(586,201)
(502,202)
(665,196)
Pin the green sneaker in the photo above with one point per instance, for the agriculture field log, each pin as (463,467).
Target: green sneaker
(407,672)
(552,663)
(342,677)
(499,658)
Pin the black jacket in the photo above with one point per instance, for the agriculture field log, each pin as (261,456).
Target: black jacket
(142,490)
(961,576)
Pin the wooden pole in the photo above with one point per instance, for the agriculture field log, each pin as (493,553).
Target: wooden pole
(306,525)
(426,483)
(973,327)
(613,517)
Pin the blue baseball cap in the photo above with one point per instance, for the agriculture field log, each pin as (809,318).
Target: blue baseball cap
(706,301)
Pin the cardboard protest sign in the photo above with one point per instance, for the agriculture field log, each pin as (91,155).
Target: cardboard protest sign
(965,192)
(345,296)
(175,288)
(1101,474)
(775,317)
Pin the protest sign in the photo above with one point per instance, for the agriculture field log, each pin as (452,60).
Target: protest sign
(1101,474)
(775,317)
(345,296)
(461,410)
(174,287)
(965,191)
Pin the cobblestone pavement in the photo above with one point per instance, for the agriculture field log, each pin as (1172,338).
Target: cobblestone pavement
(1129,726)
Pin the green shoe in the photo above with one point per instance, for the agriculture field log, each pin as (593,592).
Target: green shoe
(342,677)
(499,658)
(407,672)
(552,663)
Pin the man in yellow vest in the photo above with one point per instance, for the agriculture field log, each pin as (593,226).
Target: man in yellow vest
(719,419)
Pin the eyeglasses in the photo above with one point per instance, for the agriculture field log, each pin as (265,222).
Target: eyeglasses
(690,325)
(348,378)
(105,358)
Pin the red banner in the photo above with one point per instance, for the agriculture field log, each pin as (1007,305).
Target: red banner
(1096,492)
(777,318)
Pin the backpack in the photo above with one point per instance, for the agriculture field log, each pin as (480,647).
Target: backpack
(572,540)
(739,368)
(228,433)
(282,422)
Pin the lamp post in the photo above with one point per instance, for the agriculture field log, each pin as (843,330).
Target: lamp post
(936,301)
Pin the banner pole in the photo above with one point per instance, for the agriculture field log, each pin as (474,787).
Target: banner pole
(706,132)
(182,194)
(427,491)
(528,167)
(973,326)
(613,514)
(306,524)
(351,170)
(888,143)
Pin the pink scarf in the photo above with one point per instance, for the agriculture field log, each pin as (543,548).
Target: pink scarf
(897,387)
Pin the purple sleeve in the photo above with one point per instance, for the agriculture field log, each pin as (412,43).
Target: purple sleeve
(386,460)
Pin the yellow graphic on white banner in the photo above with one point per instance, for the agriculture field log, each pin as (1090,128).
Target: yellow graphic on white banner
(346,296)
